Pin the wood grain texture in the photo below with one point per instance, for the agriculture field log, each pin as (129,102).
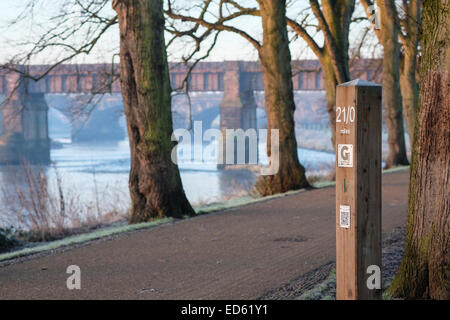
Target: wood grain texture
(359,187)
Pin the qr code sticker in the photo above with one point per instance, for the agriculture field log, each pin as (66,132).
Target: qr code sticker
(344,214)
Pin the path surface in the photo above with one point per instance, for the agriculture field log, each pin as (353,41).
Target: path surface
(240,254)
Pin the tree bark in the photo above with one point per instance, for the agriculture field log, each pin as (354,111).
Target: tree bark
(338,15)
(275,60)
(330,82)
(334,59)
(334,21)
(155,184)
(425,270)
(391,85)
(408,83)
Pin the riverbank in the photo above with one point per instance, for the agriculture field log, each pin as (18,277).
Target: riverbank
(17,249)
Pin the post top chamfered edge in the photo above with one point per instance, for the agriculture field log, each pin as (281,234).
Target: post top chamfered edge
(359,83)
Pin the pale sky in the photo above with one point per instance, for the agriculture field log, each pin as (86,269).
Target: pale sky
(229,46)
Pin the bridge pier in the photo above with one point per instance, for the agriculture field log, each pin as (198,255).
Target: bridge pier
(24,135)
(99,123)
(237,110)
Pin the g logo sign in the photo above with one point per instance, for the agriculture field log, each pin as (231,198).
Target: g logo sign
(345,155)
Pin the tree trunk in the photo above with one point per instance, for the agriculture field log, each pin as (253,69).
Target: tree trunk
(334,58)
(330,81)
(155,183)
(391,85)
(275,60)
(338,15)
(408,83)
(425,269)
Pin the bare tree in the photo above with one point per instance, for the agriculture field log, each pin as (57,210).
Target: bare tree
(424,271)
(334,18)
(155,184)
(275,58)
(388,36)
(409,36)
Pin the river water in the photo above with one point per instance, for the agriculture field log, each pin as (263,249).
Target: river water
(202,181)
(98,173)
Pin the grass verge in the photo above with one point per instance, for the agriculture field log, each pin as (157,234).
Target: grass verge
(82,238)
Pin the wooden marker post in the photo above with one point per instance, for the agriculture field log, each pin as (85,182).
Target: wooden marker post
(358,190)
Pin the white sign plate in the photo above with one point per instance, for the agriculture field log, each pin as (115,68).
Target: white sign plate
(345,155)
(344,216)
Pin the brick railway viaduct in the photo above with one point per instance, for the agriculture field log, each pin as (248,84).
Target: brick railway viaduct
(24,134)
